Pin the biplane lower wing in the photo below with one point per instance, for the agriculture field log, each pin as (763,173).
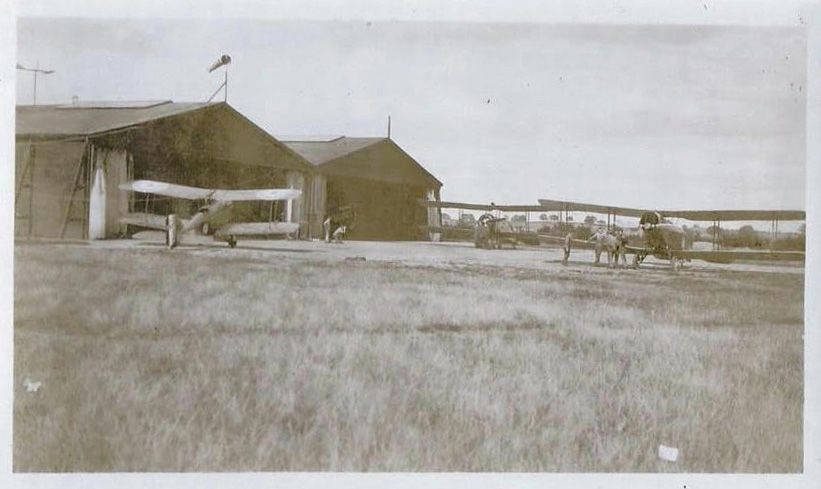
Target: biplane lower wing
(575,243)
(728,256)
(257,228)
(151,221)
(470,233)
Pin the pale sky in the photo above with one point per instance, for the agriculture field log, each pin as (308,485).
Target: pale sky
(667,117)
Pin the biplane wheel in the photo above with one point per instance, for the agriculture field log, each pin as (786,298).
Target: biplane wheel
(205,229)
(232,242)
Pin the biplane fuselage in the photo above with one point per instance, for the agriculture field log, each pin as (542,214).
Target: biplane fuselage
(661,237)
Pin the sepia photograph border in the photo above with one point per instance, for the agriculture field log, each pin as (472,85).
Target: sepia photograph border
(797,14)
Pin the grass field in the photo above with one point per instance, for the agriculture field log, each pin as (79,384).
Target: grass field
(238,361)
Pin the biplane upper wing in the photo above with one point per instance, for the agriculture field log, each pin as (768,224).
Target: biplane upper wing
(195,193)
(257,194)
(738,215)
(564,205)
(691,215)
(442,204)
(167,189)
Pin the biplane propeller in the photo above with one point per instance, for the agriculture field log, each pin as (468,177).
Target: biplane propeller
(217,200)
(666,240)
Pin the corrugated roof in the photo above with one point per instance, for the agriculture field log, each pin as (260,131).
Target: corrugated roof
(321,152)
(43,121)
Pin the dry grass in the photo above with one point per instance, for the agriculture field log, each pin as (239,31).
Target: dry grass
(153,361)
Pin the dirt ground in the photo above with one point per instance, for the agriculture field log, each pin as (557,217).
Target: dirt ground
(441,254)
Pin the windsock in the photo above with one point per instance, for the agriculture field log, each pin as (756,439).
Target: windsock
(223,60)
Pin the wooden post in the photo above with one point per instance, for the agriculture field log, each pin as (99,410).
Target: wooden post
(776,229)
(31,187)
(772,234)
(713,235)
(171,231)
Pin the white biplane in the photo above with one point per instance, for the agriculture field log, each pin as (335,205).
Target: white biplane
(217,200)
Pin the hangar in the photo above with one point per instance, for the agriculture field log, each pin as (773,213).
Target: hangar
(374,177)
(63,151)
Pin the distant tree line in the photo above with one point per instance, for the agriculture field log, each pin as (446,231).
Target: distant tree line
(748,237)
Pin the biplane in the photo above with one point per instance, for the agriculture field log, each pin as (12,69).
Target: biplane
(493,232)
(667,240)
(488,231)
(215,202)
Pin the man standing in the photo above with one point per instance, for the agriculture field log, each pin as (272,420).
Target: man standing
(600,239)
(568,244)
(621,247)
(326,225)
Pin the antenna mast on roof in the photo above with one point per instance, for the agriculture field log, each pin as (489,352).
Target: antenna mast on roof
(35,70)
(389,126)
(222,61)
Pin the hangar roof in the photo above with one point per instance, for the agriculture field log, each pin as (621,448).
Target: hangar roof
(248,141)
(378,158)
(89,118)
(319,151)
